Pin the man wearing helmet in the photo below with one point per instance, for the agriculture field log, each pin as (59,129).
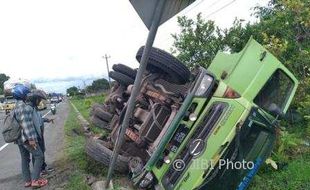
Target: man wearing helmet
(34,98)
(28,141)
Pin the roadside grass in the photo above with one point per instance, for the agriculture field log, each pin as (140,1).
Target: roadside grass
(292,155)
(84,106)
(82,165)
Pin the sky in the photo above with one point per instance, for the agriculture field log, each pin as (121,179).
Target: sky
(52,39)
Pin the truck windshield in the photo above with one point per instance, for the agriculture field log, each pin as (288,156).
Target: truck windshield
(276,91)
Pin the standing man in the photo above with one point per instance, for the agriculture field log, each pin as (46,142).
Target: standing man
(28,141)
(34,98)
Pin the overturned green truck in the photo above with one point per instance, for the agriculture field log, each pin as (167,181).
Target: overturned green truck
(201,129)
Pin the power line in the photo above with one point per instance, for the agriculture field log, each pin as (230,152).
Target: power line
(213,4)
(218,10)
(194,6)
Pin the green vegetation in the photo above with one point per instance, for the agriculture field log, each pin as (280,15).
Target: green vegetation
(72,91)
(83,165)
(84,106)
(98,85)
(284,29)
(75,153)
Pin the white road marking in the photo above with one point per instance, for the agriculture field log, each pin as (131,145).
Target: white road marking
(6,144)
(46,114)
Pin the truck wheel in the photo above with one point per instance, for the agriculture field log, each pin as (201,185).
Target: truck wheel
(99,151)
(121,78)
(125,70)
(105,116)
(95,106)
(163,62)
(99,123)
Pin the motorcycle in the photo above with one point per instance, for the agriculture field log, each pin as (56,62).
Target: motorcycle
(53,109)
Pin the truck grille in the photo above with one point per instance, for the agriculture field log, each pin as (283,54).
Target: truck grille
(202,132)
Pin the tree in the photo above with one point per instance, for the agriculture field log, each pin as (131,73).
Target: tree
(198,41)
(72,91)
(3,78)
(283,28)
(98,85)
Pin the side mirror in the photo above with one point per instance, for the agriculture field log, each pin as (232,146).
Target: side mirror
(276,111)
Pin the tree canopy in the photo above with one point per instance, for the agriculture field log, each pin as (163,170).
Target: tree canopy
(283,27)
(72,91)
(98,85)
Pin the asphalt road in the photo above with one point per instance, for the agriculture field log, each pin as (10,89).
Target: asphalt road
(10,163)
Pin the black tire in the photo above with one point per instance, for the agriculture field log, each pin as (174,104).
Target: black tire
(163,62)
(121,78)
(100,123)
(125,70)
(97,149)
(105,116)
(95,106)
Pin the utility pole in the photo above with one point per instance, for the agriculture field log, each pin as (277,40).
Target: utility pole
(106,57)
(131,102)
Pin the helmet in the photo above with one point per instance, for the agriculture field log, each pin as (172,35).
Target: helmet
(20,92)
(38,93)
(35,95)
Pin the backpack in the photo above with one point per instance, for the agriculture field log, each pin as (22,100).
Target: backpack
(11,129)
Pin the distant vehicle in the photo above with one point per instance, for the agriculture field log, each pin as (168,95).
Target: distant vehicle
(53,109)
(42,105)
(9,104)
(55,99)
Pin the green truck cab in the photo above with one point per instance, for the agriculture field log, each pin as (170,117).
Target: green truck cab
(229,118)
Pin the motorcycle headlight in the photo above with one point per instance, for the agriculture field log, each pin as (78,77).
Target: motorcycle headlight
(204,85)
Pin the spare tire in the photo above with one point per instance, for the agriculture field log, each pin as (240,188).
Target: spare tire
(125,70)
(121,78)
(105,116)
(163,62)
(98,150)
(99,122)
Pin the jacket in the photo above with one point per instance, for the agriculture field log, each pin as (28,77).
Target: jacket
(24,116)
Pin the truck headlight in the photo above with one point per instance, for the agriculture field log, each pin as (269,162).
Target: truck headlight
(204,85)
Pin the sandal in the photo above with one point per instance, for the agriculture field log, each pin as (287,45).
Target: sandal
(27,184)
(39,183)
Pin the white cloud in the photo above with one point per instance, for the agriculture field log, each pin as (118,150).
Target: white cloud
(52,39)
